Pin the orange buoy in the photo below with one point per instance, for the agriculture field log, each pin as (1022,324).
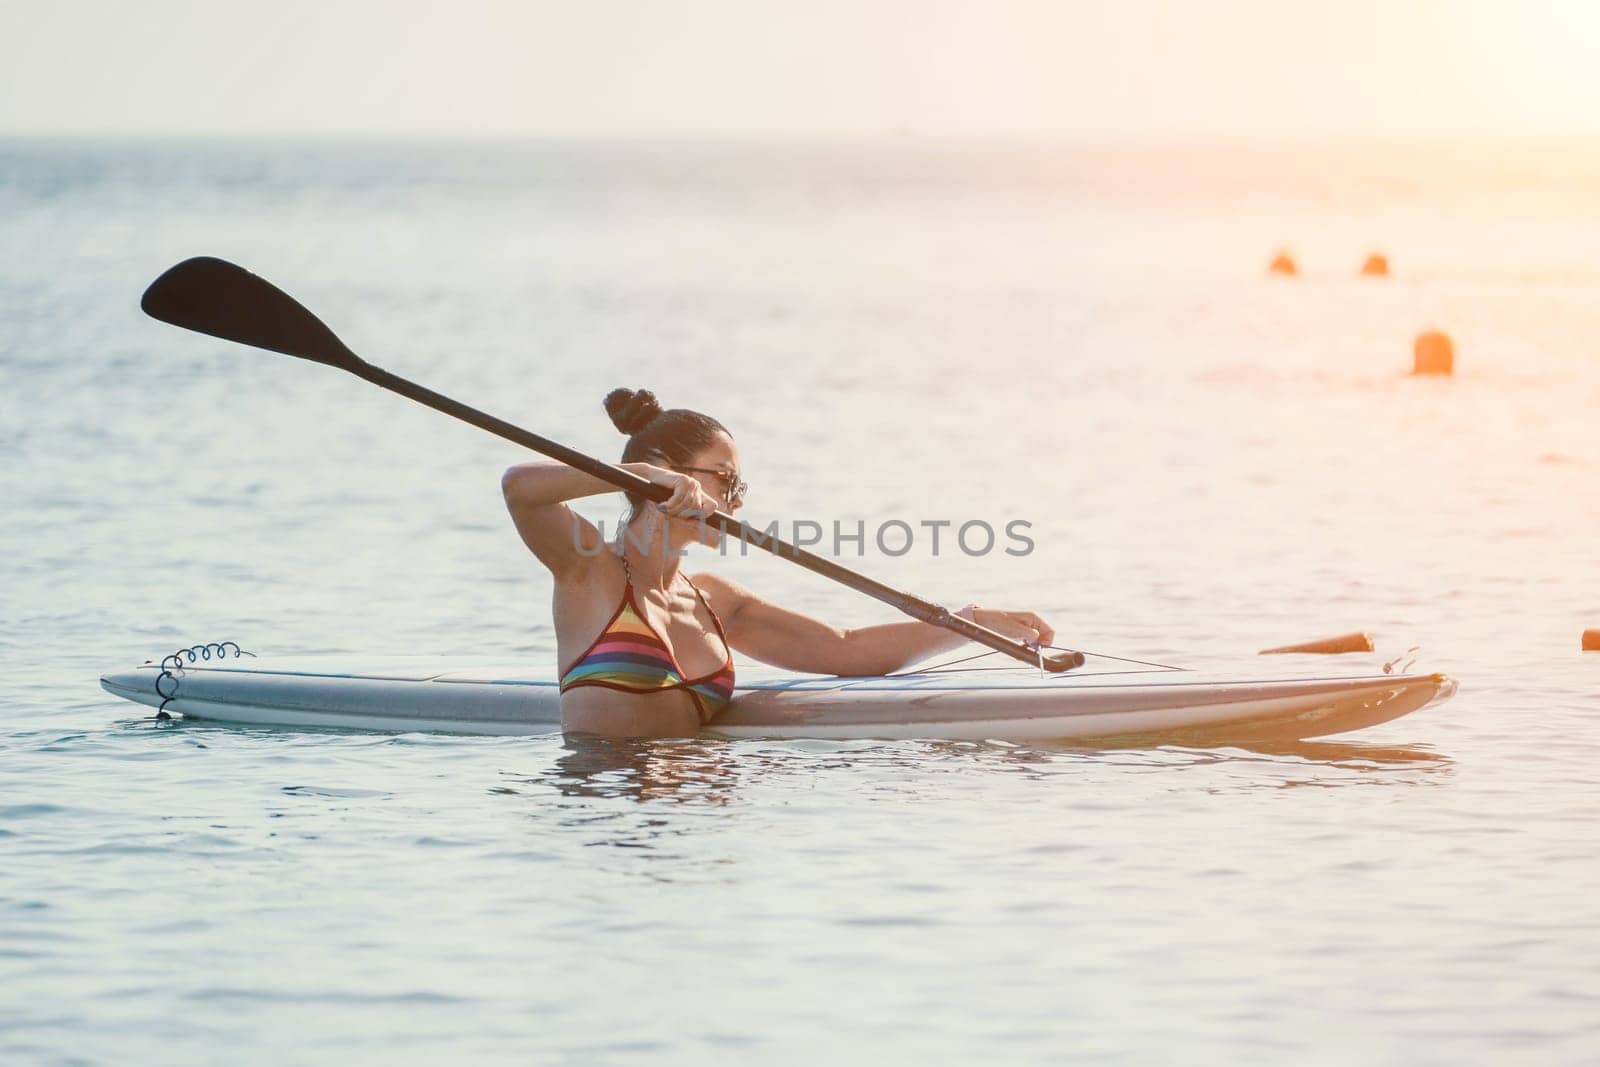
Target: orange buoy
(1433,353)
(1327,646)
(1591,640)
(1283,263)
(1376,266)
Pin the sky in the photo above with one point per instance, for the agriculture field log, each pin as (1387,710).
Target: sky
(812,67)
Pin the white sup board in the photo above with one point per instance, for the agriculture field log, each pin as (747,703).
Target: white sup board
(990,703)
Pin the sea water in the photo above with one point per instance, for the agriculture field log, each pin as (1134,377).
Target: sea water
(1081,337)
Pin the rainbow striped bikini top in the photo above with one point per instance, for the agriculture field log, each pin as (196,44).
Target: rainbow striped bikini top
(631,657)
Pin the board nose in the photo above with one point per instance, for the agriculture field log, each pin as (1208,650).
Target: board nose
(137,684)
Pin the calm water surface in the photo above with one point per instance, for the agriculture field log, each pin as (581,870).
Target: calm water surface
(1213,462)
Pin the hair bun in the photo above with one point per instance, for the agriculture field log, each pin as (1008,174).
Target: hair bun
(631,410)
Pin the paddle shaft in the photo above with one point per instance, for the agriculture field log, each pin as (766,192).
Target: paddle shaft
(913,606)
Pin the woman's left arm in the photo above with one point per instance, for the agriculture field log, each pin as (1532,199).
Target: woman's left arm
(772,634)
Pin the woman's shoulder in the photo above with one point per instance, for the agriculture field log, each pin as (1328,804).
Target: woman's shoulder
(708,580)
(596,575)
(724,594)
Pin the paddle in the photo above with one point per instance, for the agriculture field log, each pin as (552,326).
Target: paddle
(213,296)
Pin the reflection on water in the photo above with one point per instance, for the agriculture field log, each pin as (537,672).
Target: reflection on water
(1354,755)
(700,771)
(681,770)
(1325,765)
(709,772)
(1285,764)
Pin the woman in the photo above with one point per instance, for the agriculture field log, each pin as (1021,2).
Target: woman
(646,651)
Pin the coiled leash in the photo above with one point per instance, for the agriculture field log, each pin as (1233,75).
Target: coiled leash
(218,650)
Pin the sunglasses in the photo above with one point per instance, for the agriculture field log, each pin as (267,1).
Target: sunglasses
(733,487)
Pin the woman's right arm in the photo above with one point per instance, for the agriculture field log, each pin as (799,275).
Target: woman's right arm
(536,494)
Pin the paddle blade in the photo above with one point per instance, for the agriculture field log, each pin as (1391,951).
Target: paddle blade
(213,296)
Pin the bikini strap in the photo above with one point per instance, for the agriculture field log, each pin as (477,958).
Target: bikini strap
(622,554)
(715,621)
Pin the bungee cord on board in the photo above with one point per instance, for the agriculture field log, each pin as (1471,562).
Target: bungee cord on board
(948,665)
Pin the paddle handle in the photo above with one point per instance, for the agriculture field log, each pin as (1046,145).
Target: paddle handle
(916,607)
